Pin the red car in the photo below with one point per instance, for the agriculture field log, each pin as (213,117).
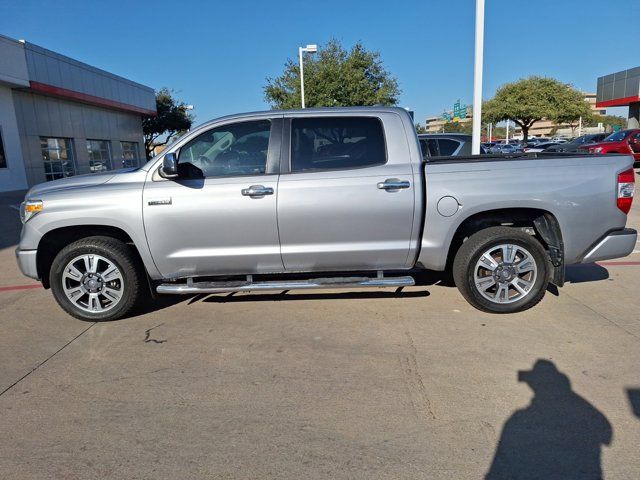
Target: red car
(624,141)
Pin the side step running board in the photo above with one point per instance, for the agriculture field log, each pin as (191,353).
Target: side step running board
(249,285)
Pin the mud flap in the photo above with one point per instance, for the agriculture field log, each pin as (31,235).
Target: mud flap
(549,229)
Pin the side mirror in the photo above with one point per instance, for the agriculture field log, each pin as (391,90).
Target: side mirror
(169,166)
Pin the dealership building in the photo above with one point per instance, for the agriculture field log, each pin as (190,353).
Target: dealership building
(621,89)
(60,117)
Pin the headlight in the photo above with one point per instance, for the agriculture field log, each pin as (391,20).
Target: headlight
(29,208)
(597,149)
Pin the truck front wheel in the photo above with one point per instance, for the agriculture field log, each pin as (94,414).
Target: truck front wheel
(97,278)
(502,270)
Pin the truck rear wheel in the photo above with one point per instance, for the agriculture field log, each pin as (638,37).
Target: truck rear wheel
(501,270)
(97,279)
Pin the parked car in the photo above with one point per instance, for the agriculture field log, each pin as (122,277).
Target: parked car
(348,203)
(624,141)
(540,147)
(506,149)
(533,141)
(573,145)
(446,144)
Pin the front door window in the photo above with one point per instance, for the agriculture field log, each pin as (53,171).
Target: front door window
(236,149)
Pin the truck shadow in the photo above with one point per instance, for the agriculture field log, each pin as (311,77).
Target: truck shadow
(284,296)
(588,272)
(159,303)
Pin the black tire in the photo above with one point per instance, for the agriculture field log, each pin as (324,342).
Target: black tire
(476,245)
(123,256)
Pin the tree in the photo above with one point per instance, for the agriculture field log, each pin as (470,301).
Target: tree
(497,133)
(532,99)
(334,77)
(457,127)
(572,108)
(608,121)
(420,128)
(172,119)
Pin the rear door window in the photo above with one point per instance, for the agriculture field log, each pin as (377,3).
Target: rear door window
(448,146)
(429,147)
(331,143)
(434,151)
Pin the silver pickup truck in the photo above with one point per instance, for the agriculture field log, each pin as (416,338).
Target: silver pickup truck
(321,198)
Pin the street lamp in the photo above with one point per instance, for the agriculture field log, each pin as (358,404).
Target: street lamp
(477,78)
(301,50)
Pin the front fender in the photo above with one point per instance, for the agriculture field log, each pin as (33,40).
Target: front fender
(107,206)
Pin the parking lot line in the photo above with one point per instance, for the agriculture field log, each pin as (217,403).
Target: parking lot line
(618,263)
(20,287)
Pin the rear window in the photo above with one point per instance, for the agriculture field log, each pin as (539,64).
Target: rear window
(330,143)
(617,136)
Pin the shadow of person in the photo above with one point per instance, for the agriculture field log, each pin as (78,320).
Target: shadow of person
(634,400)
(558,436)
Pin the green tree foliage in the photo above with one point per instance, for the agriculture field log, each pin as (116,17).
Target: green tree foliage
(609,122)
(334,77)
(172,119)
(497,133)
(420,128)
(532,99)
(458,127)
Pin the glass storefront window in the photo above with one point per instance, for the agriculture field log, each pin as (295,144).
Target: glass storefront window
(57,156)
(130,156)
(99,155)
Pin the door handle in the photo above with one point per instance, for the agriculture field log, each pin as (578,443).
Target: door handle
(257,191)
(393,184)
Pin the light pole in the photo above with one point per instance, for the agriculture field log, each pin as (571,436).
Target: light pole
(301,50)
(477,78)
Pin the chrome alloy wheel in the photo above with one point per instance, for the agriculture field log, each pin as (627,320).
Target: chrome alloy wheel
(92,283)
(505,273)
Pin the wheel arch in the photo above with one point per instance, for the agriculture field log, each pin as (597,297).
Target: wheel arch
(56,239)
(540,223)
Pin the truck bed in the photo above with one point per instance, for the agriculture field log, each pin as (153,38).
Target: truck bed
(519,156)
(578,190)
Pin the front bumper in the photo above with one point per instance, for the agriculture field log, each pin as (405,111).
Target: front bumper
(27,262)
(614,245)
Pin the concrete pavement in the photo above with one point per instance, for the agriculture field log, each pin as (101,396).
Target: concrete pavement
(370,384)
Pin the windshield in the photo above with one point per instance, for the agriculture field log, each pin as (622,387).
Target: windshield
(617,136)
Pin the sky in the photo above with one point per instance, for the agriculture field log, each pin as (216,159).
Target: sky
(217,55)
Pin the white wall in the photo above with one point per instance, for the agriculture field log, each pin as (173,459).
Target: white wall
(13,177)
